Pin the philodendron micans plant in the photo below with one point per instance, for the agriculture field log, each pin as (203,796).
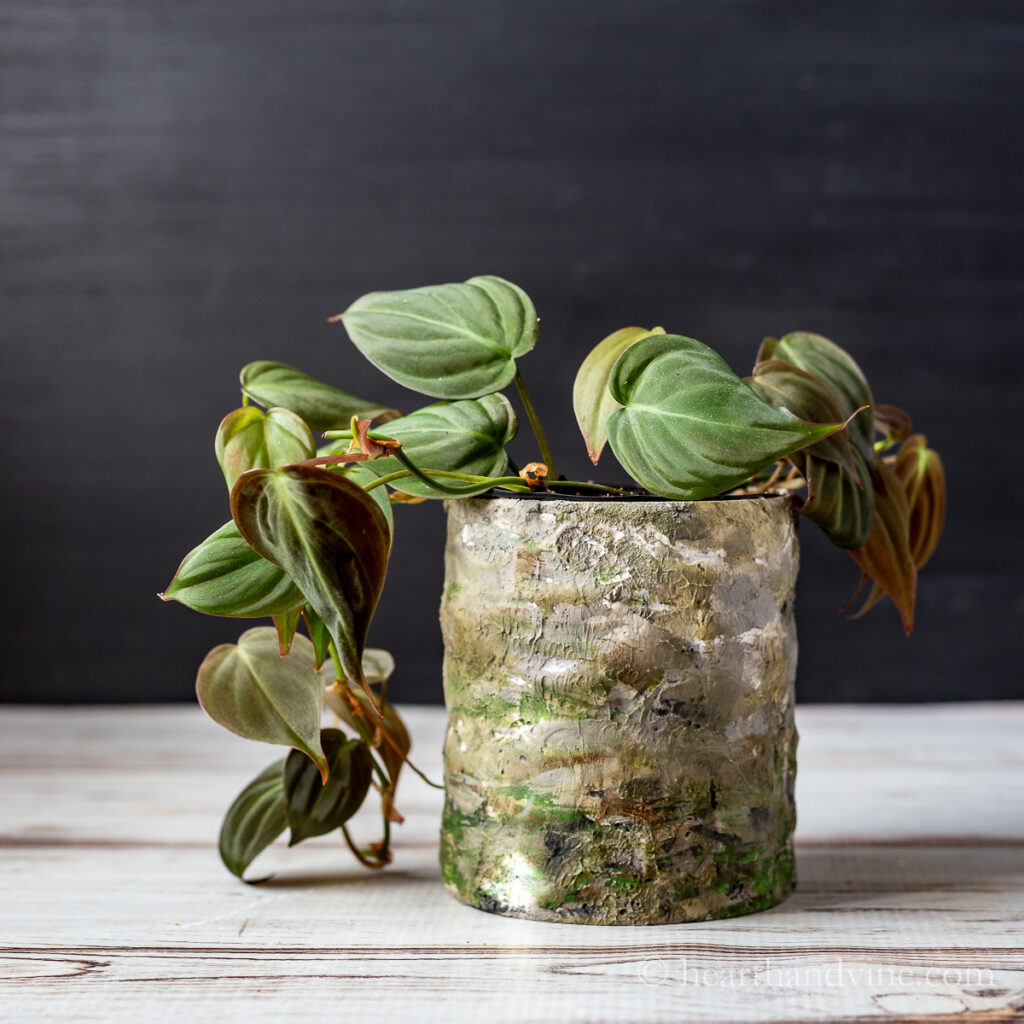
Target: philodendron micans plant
(311,527)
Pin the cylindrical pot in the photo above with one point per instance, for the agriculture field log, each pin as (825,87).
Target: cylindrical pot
(619,681)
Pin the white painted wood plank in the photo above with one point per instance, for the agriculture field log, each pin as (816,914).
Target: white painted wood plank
(114,906)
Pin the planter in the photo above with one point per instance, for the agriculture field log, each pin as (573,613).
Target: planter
(619,681)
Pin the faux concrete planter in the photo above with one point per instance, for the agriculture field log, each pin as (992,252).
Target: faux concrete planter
(619,681)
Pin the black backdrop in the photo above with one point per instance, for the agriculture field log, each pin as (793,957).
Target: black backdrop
(188,186)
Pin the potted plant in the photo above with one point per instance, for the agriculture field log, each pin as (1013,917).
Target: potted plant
(619,660)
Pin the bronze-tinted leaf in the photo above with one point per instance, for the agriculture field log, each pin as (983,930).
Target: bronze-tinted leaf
(788,387)
(315,807)
(893,423)
(286,624)
(836,500)
(388,730)
(886,557)
(329,536)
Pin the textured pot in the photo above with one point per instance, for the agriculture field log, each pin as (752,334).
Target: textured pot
(619,682)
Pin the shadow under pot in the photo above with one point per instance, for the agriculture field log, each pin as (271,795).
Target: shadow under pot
(619,682)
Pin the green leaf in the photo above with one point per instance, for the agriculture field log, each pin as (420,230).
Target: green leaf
(788,387)
(689,427)
(591,399)
(833,366)
(329,536)
(286,624)
(378,665)
(837,500)
(254,820)
(249,438)
(323,407)
(251,690)
(447,340)
(319,636)
(224,576)
(462,437)
(315,807)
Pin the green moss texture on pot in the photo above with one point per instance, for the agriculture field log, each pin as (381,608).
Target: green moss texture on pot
(619,680)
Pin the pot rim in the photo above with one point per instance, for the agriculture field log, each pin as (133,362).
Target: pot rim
(618,499)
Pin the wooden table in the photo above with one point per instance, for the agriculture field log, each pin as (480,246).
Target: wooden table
(114,905)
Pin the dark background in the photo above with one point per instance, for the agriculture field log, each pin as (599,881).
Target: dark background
(188,186)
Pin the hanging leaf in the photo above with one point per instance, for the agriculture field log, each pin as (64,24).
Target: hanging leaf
(361,474)
(251,690)
(836,500)
(447,340)
(319,635)
(833,366)
(224,576)
(591,399)
(920,473)
(893,423)
(689,427)
(286,625)
(323,407)
(787,387)
(466,436)
(886,557)
(314,807)
(329,535)
(249,438)
(254,820)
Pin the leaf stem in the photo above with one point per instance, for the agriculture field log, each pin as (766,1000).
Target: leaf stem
(538,430)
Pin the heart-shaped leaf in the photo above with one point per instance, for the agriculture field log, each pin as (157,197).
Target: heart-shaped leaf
(224,576)
(689,427)
(447,340)
(254,820)
(591,399)
(837,500)
(315,807)
(323,407)
(835,367)
(466,436)
(788,387)
(249,438)
(250,689)
(329,536)
(886,557)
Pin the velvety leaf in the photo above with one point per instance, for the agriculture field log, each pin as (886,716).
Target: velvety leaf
(833,366)
(329,535)
(689,427)
(224,576)
(466,436)
(378,665)
(893,423)
(315,807)
(591,399)
(886,557)
(920,471)
(254,820)
(286,625)
(788,387)
(361,474)
(250,689)
(448,340)
(323,407)
(319,636)
(249,438)
(836,499)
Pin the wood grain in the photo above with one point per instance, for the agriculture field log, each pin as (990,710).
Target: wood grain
(114,906)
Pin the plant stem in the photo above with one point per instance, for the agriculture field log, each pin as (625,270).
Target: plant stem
(538,430)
